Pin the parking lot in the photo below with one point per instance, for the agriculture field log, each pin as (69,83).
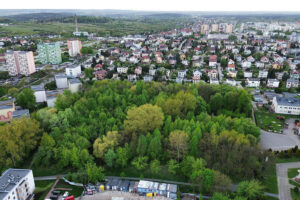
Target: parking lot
(109,195)
(276,141)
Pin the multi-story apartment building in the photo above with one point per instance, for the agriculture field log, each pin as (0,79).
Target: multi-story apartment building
(17,184)
(74,47)
(229,28)
(49,53)
(20,62)
(215,27)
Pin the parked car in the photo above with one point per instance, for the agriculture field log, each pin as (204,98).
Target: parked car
(66,194)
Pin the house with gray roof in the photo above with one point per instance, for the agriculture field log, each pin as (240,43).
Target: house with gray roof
(286,105)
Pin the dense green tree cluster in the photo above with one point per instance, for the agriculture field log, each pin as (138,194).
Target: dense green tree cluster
(118,124)
(17,140)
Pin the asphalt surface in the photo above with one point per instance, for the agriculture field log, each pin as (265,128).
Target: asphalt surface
(283,181)
(280,141)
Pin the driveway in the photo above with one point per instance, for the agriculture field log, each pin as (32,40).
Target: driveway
(283,181)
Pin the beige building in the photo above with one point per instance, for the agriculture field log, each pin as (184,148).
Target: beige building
(215,27)
(204,28)
(6,110)
(229,28)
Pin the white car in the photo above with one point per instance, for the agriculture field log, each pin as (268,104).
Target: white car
(66,194)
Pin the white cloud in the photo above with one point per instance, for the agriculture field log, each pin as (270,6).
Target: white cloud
(157,5)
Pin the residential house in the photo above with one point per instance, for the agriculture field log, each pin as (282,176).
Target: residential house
(292,83)
(196,76)
(231,82)
(213,61)
(273,83)
(295,74)
(247,74)
(259,64)
(252,82)
(146,59)
(264,59)
(279,75)
(181,73)
(152,72)
(134,59)
(213,74)
(132,77)
(148,78)
(138,70)
(122,70)
(100,75)
(214,81)
(263,74)
(232,74)
(246,64)
(158,59)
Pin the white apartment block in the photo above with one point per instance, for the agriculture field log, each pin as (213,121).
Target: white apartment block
(61,81)
(17,184)
(39,93)
(73,71)
(74,47)
(284,105)
(20,62)
(74,85)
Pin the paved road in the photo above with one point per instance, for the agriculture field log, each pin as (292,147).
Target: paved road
(282,179)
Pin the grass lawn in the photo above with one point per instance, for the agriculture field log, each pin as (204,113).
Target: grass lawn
(270,182)
(285,160)
(47,171)
(292,172)
(268,121)
(42,188)
(76,191)
(294,195)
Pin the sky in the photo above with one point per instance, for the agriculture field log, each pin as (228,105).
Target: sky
(157,5)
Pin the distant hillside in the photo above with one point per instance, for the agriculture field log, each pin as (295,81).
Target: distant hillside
(5,20)
(167,15)
(39,16)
